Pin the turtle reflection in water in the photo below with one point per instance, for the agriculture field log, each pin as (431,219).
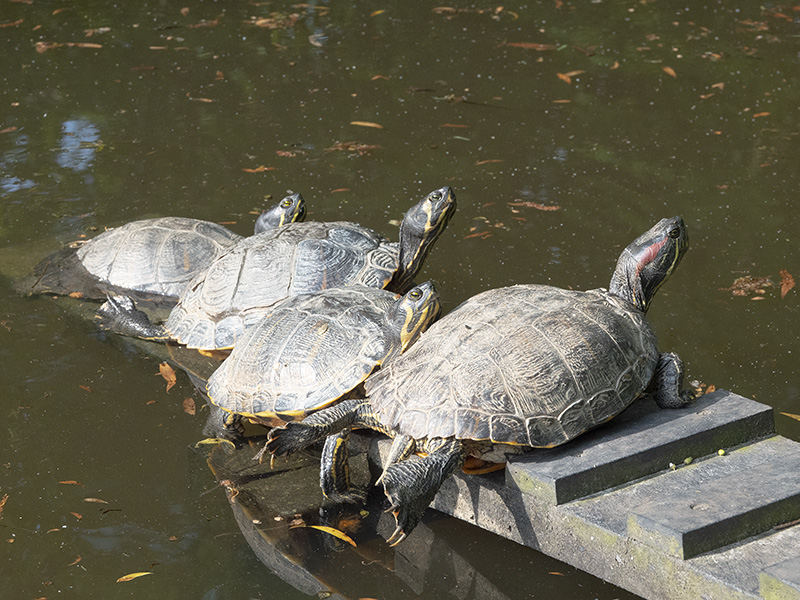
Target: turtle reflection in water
(511,368)
(150,259)
(250,278)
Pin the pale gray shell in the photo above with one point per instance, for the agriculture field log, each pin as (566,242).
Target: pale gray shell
(529,364)
(248,279)
(308,352)
(159,256)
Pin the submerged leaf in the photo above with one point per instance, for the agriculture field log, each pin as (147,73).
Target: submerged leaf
(787,282)
(214,441)
(329,530)
(189,407)
(168,373)
(131,576)
(791,416)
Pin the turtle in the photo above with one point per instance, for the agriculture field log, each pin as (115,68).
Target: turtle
(315,348)
(513,368)
(151,259)
(248,279)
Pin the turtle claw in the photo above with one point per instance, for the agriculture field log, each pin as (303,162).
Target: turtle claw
(394,539)
(289,438)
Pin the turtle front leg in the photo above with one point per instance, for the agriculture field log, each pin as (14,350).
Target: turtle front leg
(120,315)
(297,435)
(667,385)
(412,484)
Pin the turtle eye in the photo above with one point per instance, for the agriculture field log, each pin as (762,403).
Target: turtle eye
(415,294)
(674,233)
(435,196)
(286,203)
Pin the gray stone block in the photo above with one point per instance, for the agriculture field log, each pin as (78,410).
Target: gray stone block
(641,441)
(781,581)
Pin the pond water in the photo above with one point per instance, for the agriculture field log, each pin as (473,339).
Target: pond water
(565,128)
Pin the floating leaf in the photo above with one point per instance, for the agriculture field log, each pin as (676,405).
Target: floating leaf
(719,86)
(95,500)
(75,562)
(366,124)
(85,388)
(531,46)
(357,147)
(131,576)
(746,285)
(8,129)
(45,46)
(567,77)
(488,161)
(214,441)
(761,114)
(375,13)
(188,406)
(555,573)
(536,205)
(78,516)
(83,45)
(168,373)
(787,282)
(669,71)
(791,416)
(329,530)
(3,504)
(11,23)
(71,482)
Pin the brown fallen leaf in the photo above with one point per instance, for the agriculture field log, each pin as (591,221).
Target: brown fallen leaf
(669,71)
(131,576)
(8,129)
(83,45)
(168,373)
(189,407)
(488,161)
(95,500)
(787,282)
(85,388)
(567,77)
(746,285)
(719,86)
(761,114)
(367,124)
(259,169)
(71,482)
(357,147)
(78,516)
(791,416)
(75,562)
(3,504)
(45,46)
(12,23)
(536,205)
(530,46)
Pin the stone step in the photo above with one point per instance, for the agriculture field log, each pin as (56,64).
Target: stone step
(640,442)
(686,513)
(781,581)
(609,504)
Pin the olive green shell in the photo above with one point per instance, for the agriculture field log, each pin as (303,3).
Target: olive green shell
(531,365)
(249,278)
(308,352)
(159,256)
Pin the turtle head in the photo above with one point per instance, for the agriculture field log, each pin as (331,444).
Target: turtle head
(415,312)
(421,227)
(648,261)
(290,209)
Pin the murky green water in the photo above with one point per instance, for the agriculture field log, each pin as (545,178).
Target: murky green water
(617,113)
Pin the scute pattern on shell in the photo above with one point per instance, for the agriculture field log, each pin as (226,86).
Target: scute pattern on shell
(310,351)
(246,281)
(161,256)
(529,364)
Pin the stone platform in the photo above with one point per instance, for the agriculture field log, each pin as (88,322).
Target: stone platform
(649,503)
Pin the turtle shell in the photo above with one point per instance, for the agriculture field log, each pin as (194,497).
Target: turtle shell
(249,278)
(161,256)
(308,352)
(530,365)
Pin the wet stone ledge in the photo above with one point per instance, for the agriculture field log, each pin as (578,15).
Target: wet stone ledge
(609,503)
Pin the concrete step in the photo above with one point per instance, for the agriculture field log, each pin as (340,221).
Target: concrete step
(641,441)
(721,527)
